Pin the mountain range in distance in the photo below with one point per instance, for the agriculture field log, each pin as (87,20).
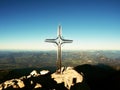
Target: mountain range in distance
(38,59)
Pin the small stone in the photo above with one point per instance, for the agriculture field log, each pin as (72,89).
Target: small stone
(43,72)
(37,86)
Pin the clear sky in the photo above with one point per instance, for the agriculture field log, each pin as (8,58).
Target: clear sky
(91,24)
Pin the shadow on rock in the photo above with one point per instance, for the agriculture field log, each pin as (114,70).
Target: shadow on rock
(100,77)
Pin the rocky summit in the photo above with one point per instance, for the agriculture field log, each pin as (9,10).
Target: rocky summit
(68,76)
(68,79)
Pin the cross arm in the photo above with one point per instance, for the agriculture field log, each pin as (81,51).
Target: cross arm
(67,41)
(51,40)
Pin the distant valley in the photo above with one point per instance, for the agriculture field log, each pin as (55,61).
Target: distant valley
(38,59)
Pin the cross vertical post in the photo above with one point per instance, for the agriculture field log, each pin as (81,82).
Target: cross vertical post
(59,41)
(59,58)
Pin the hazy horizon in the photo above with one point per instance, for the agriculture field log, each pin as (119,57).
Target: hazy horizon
(54,50)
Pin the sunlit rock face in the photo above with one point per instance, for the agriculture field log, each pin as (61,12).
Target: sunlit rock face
(67,79)
(20,83)
(68,76)
(13,83)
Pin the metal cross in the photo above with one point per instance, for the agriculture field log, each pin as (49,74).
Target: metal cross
(59,41)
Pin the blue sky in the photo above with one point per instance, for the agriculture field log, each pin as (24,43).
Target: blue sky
(91,24)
